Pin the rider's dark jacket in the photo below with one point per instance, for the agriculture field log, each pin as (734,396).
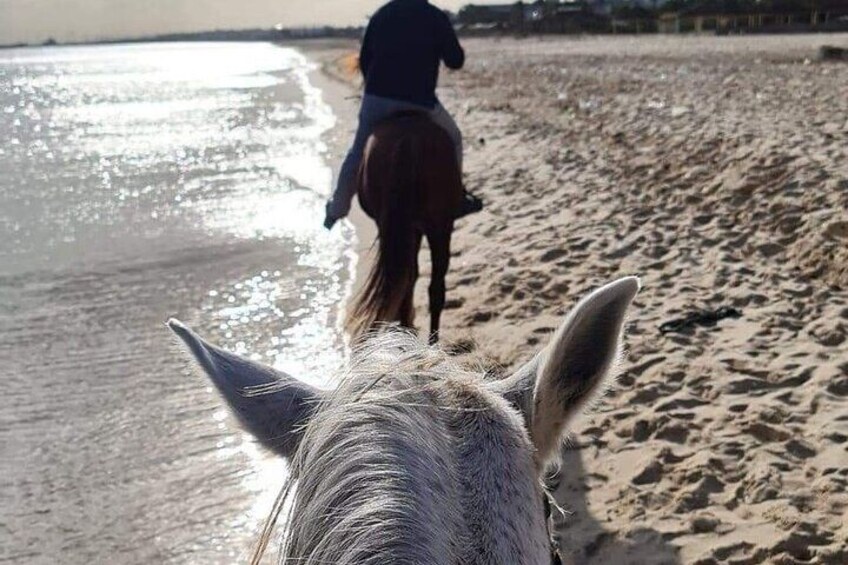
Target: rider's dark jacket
(404,44)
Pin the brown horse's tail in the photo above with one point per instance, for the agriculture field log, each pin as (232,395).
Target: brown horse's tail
(395,266)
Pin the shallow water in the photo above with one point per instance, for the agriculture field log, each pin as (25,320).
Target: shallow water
(137,183)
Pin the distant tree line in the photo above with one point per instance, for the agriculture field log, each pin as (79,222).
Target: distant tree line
(751,6)
(504,13)
(552,16)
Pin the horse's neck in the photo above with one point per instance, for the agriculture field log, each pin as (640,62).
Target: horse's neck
(501,500)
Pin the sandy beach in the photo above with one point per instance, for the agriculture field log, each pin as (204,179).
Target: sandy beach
(717,170)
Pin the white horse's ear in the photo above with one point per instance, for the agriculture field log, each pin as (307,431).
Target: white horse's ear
(275,418)
(572,370)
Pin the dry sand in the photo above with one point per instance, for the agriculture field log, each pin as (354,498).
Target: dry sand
(717,170)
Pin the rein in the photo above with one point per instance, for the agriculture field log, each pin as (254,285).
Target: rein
(549,503)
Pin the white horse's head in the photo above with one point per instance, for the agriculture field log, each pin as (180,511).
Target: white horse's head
(415,460)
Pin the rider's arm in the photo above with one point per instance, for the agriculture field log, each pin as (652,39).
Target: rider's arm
(452,53)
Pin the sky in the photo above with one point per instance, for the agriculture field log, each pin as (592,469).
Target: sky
(80,20)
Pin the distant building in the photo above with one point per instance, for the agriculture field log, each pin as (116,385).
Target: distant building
(485,14)
(541,16)
(564,17)
(723,16)
(608,6)
(646,16)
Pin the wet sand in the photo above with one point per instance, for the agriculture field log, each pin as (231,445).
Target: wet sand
(717,170)
(341,91)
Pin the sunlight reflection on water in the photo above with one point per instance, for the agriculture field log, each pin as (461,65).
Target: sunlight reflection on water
(143,181)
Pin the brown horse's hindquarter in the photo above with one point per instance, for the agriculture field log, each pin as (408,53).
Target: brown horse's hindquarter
(410,184)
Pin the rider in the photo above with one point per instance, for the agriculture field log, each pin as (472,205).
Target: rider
(403,46)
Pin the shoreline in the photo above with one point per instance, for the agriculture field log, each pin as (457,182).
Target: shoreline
(339,93)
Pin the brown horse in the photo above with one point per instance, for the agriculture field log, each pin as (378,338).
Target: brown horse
(411,185)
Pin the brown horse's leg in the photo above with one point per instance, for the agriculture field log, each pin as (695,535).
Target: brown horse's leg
(440,255)
(407,309)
